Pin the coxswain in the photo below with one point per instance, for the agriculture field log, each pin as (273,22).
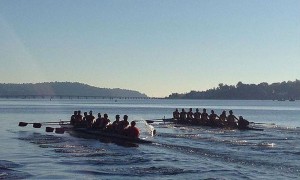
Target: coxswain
(243,123)
(176,114)
(182,116)
(132,131)
(190,115)
(231,120)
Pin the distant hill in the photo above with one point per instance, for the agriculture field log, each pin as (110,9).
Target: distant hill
(63,89)
(277,91)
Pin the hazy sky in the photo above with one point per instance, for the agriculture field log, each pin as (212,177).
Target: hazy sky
(157,47)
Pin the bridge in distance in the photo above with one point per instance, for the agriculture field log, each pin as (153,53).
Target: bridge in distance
(68,97)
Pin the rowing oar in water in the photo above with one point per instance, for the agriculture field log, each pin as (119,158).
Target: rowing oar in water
(262,123)
(149,121)
(39,125)
(35,125)
(48,129)
(57,130)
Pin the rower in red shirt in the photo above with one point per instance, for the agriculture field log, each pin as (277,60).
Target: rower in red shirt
(133,131)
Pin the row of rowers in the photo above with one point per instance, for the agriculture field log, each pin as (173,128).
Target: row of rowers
(103,123)
(212,119)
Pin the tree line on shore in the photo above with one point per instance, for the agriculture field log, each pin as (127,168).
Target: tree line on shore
(63,89)
(289,90)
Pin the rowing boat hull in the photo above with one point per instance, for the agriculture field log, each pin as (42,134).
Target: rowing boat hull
(224,127)
(103,134)
(99,133)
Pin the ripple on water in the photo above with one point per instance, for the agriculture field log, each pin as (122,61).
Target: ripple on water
(137,171)
(37,138)
(7,171)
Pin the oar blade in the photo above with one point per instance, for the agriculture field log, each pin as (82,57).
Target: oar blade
(59,130)
(150,121)
(49,129)
(22,124)
(37,125)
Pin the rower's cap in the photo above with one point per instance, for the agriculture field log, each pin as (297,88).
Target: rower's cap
(117,116)
(105,115)
(133,123)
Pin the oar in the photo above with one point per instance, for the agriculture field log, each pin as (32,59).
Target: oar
(262,123)
(149,121)
(49,129)
(57,130)
(35,125)
(22,124)
(38,125)
(54,122)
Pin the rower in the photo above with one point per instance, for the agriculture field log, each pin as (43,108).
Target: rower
(197,117)
(190,115)
(242,123)
(104,122)
(84,122)
(97,123)
(182,116)
(176,115)
(90,119)
(73,118)
(204,117)
(123,124)
(213,118)
(197,114)
(231,119)
(222,117)
(115,125)
(78,120)
(132,131)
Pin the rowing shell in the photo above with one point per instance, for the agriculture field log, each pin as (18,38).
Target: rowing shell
(224,127)
(103,134)
(100,133)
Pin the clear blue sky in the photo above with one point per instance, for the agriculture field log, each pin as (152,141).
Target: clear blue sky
(156,47)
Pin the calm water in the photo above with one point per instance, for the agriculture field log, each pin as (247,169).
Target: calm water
(177,152)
